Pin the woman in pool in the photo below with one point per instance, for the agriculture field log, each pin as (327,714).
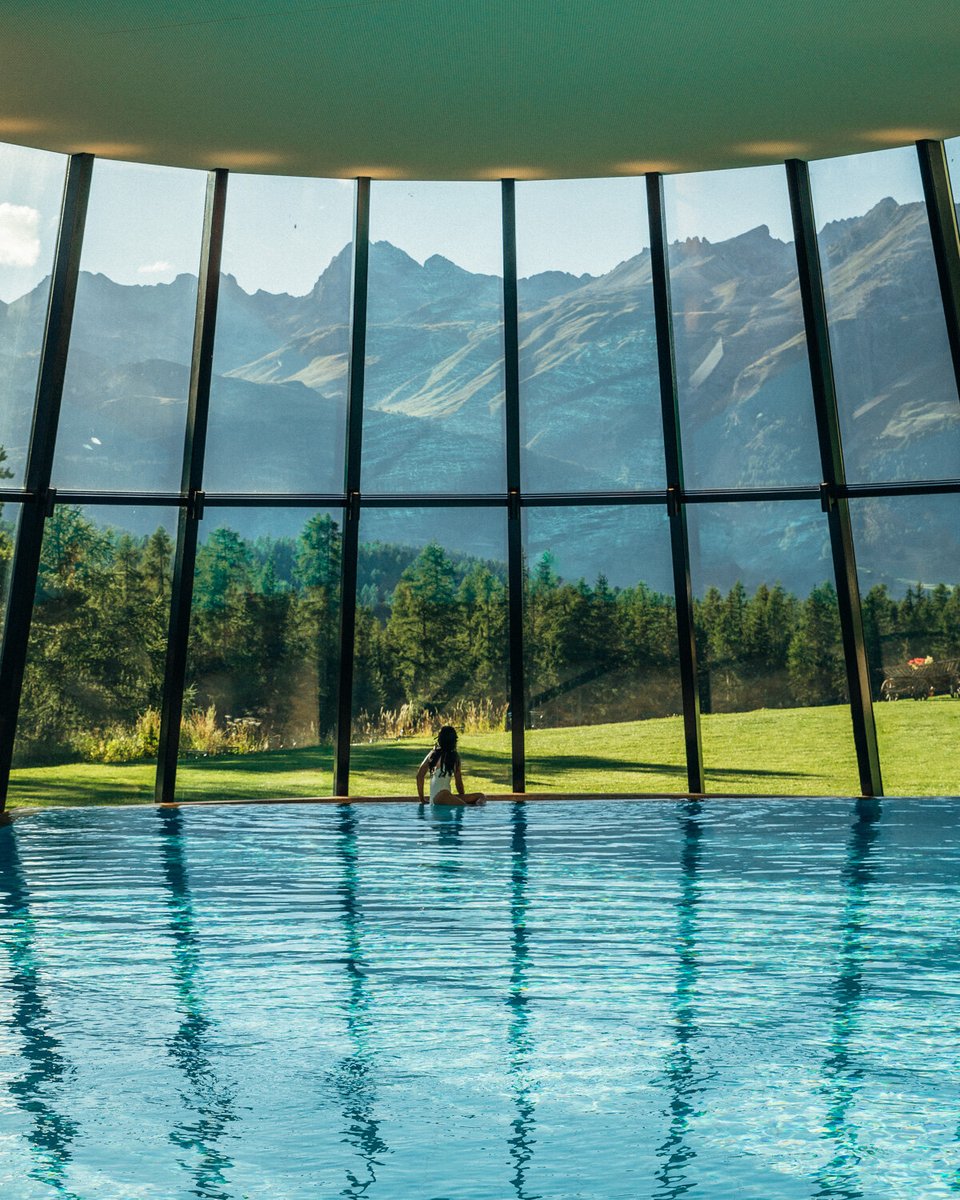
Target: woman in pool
(443,766)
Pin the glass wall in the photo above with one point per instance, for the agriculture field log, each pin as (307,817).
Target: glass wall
(433,391)
(431,646)
(600,648)
(598,640)
(9,524)
(773,688)
(589,389)
(90,708)
(743,379)
(31,190)
(953,164)
(908,561)
(128,372)
(262,667)
(896,390)
(279,391)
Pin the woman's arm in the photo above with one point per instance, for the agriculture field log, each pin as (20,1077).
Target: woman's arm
(462,796)
(422,774)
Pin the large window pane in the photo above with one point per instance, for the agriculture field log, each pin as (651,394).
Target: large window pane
(908,562)
(90,710)
(772,681)
(600,634)
(952,146)
(431,646)
(589,389)
(896,391)
(9,525)
(433,392)
(128,373)
(31,189)
(743,378)
(278,396)
(263,658)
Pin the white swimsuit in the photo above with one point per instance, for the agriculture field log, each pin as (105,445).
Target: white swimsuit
(439,783)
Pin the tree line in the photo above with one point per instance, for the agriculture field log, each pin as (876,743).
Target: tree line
(431,639)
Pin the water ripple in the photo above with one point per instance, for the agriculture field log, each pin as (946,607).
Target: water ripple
(600,1000)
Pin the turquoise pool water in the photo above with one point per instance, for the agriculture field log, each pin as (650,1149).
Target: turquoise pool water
(558,1000)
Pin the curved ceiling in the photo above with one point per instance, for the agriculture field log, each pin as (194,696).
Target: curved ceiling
(476,89)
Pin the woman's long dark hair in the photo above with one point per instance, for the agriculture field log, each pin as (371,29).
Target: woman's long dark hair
(445,751)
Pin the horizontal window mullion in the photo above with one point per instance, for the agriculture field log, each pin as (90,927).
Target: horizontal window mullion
(698,496)
(745,495)
(434,500)
(140,499)
(916,487)
(588,499)
(274,499)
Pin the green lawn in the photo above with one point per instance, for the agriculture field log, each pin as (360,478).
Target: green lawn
(806,751)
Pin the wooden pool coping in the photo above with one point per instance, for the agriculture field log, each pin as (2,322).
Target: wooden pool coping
(11,814)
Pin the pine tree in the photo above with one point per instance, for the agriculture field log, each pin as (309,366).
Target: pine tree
(156,564)
(815,658)
(317,556)
(424,632)
(482,600)
(314,622)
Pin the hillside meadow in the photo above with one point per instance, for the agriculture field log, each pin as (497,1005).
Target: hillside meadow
(775,752)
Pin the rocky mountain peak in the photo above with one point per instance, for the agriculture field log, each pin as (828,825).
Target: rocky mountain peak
(536,290)
(853,233)
(443,268)
(338,269)
(757,237)
(386,255)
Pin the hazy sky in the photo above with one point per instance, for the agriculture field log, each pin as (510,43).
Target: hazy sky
(144,222)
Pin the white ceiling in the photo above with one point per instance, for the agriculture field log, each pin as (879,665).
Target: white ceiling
(476,89)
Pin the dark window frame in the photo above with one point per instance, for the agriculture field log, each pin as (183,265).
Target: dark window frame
(37,499)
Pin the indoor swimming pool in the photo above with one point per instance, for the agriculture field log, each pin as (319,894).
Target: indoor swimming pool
(542,1001)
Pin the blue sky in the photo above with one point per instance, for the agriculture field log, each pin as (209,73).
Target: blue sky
(144,222)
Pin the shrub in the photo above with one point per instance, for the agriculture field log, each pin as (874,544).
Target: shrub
(120,743)
(421,720)
(201,733)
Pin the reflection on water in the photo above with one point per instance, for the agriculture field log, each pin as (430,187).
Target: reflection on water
(355,1074)
(680,1071)
(522,1126)
(447,820)
(38,1089)
(204,1095)
(636,1002)
(843,1072)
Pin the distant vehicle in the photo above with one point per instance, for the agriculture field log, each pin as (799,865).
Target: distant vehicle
(921,678)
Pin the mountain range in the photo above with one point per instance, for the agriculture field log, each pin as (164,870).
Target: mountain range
(590,415)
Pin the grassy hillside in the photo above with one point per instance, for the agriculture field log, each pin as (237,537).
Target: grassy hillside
(806,751)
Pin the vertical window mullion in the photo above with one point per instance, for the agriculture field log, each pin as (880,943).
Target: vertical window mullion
(352,462)
(43,437)
(511,372)
(679,538)
(191,484)
(834,476)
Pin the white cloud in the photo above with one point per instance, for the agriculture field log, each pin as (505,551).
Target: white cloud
(19,240)
(155,268)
